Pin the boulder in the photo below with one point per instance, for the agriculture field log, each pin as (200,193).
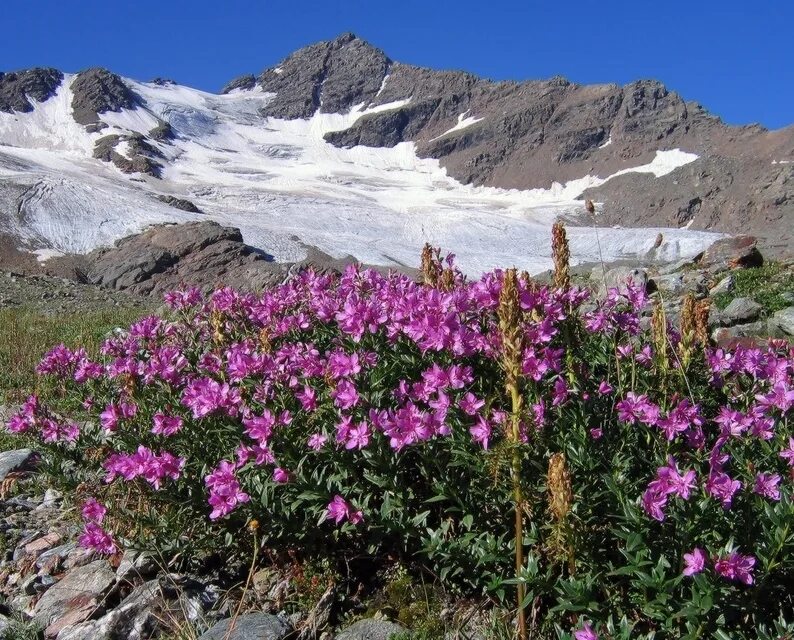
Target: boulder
(12,460)
(251,626)
(729,253)
(740,311)
(132,619)
(617,278)
(75,598)
(371,629)
(781,324)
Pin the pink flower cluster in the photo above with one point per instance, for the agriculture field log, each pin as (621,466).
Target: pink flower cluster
(152,467)
(732,566)
(32,415)
(93,535)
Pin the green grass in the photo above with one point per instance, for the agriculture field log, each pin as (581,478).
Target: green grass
(764,284)
(26,334)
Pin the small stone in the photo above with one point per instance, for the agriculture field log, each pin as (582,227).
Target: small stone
(726,285)
(736,251)
(42,544)
(135,564)
(251,626)
(371,629)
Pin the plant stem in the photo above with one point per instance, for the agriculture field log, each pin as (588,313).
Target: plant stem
(519,499)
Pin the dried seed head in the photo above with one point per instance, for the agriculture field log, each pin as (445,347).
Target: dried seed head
(509,314)
(561,255)
(702,322)
(431,267)
(688,319)
(659,330)
(264,340)
(558,480)
(216,322)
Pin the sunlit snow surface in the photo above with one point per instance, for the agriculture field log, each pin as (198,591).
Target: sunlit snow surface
(283,185)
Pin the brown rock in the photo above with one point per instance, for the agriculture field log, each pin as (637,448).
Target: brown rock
(737,251)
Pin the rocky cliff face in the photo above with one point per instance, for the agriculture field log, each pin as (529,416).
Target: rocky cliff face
(512,135)
(531,134)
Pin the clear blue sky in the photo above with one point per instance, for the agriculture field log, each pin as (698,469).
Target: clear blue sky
(736,57)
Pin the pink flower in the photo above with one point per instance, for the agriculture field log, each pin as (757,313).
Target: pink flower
(166,425)
(481,432)
(604,388)
(110,417)
(721,486)
(736,567)
(340,509)
(694,562)
(345,395)
(317,441)
(585,633)
(96,538)
(281,476)
(470,404)
(766,485)
(93,511)
(358,436)
(596,433)
(788,454)
(225,491)
(307,398)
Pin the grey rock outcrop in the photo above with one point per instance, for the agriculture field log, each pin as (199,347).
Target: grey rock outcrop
(203,254)
(140,156)
(251,626)
(98,90)
(165,256)
(179,203)
(371,629)
(18,87)
(781,324)
(12,460)
(79,595)
(241,82)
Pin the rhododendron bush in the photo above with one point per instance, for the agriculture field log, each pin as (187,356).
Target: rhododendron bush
(371,413)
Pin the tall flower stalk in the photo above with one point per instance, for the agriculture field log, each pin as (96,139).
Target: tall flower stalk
(509,314)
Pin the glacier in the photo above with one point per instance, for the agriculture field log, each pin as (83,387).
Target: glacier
(285,188)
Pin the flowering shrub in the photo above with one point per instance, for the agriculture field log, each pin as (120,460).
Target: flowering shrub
(651,474)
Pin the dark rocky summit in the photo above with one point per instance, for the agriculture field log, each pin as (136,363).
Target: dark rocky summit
(243,82)
(98,90)
(534,133)
(18,87)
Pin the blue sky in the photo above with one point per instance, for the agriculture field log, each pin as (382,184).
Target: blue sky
(735,57)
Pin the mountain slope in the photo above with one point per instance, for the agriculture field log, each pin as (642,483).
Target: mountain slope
(341,148)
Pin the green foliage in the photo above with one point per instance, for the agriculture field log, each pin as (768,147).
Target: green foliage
(19,629)
(26,334)
(766,285)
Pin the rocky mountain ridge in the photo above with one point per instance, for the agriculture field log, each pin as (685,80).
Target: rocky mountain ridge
(596,140)
(530,134)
